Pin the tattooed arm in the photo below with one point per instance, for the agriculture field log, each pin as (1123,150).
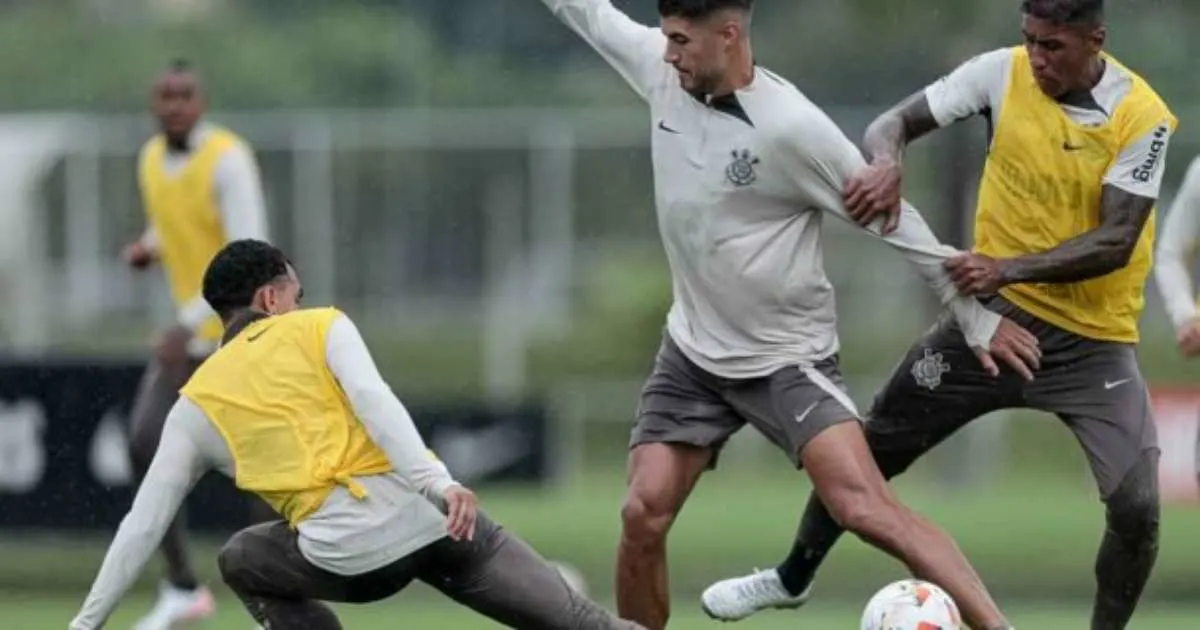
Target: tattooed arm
(972,89)
(889,134)
(1091,254)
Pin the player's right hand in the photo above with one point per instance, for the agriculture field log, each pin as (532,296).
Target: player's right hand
(461,510)
(872,192)
(137,255)
(1013,345)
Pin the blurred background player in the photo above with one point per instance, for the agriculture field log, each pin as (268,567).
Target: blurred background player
(294,409)
(1176,253)
(200,189)
(1064,233)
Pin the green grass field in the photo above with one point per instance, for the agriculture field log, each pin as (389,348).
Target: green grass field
(35,613)
(1032,539)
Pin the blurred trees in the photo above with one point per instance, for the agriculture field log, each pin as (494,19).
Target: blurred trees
(101,55)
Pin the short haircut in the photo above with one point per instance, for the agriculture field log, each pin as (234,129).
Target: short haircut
(238,271)
(700,9)
(1064,12)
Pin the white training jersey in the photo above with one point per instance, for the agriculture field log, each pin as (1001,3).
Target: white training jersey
(978,86)
(1176,251)
(345,536)
(742,184)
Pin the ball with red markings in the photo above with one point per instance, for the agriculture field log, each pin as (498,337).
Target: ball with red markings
(911,605)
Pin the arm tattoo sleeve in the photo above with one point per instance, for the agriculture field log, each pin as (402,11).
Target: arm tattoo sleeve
(1092,254)
(888,135)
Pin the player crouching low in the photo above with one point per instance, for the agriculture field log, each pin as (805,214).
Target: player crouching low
(294,410)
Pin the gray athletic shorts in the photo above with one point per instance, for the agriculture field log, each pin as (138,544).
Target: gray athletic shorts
(1095,387)
(684,404)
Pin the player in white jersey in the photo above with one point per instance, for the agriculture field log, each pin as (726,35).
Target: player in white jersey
(745,170)
(371,531)
(1176,253)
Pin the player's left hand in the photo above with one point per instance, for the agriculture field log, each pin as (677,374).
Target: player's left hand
(462,508)
(171,348)
(1188,339)
(976,274)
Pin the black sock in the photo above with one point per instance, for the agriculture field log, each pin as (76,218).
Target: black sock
(817,535)
(184,584)
(798,570)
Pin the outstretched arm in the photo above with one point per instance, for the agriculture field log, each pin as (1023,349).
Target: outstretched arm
(178,465)
(633,49)
(820,159)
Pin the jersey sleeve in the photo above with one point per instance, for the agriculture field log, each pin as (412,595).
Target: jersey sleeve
(1176,250)
(633,49)
(177,466)
(240,196)
(1141,162)
(381,413)
(972,88)
(819,158)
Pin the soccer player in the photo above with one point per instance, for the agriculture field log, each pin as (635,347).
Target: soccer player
(293,408)
(1063,238)
(200,189)
(1176,253)
(746,168)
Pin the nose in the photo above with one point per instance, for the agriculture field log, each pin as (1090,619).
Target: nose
(1037,60)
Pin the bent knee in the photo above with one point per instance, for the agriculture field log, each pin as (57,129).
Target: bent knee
(233,561)
(645,520)
(1134,509)
(867,512)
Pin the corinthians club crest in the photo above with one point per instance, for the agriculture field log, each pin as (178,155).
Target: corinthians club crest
(740,171)
(929,369)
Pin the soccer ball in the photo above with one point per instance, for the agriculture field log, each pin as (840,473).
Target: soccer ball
(911,605)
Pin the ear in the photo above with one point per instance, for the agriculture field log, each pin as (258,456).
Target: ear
(264,299)
(1098,37)
(730,30)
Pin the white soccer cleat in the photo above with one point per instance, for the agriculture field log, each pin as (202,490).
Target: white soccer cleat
(176,606)
(740,597)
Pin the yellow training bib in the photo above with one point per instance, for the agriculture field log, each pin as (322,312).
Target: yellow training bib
(288,425)
(182,208)
(1042,185)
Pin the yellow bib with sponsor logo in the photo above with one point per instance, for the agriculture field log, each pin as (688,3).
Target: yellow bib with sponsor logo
(1042,185)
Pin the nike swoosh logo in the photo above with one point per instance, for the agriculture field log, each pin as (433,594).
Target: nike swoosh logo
(662,124)
(1067,146)
(1110,385)
(804,414)
(258,334)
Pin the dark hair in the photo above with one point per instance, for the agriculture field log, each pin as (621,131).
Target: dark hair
(1065,11)
(238,271)
(700,9)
